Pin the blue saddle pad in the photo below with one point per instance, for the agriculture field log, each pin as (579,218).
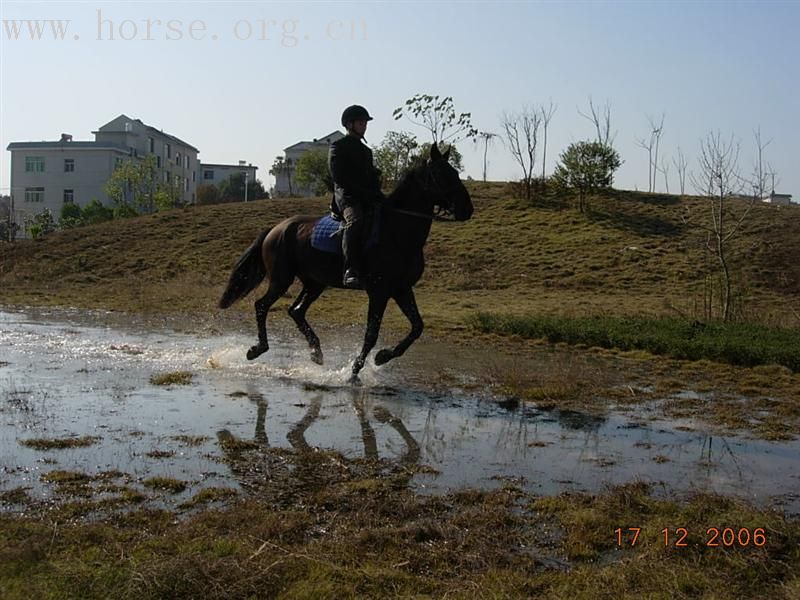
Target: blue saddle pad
(324,235)
(325,238)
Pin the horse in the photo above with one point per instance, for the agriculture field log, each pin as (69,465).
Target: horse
(394,264)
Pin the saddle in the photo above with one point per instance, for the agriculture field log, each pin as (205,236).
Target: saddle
(327,233)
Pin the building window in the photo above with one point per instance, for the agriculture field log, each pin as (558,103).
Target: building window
(185,184)
(69,196)
(34,164)
(169,150)
(178,158)
(69,165)
(208,175)
(152,146)
(194,176)
(158,161)
(34,194)
(186,162)
(166,177)
(117,163)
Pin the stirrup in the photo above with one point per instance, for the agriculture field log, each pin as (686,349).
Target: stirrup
(351,279)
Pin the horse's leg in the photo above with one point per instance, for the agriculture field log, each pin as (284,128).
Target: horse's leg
(298,312)
(277,287)
(377,306)
(408,304)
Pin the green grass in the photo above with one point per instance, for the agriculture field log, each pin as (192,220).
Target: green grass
(742,344)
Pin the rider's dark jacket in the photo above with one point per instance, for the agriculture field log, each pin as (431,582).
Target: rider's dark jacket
(355,178)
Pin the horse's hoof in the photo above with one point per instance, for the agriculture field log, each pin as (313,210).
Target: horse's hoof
(354,380)
(384,356)
(316,356)
(257,351)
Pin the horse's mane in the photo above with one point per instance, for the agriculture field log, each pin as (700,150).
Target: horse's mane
(405,182)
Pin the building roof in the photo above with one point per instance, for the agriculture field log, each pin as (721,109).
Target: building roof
(322,141)
(202,164)
(149,128)
(89,145)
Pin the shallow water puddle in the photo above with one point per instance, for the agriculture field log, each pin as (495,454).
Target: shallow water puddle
(70,374)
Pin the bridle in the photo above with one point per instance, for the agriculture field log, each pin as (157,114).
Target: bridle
(441,213)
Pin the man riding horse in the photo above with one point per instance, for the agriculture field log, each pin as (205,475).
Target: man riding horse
(356,184)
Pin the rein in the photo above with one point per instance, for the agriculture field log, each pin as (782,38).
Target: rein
(437,216)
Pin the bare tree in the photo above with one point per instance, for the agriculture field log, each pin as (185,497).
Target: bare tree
(547,115)
(488,138)
(763,177)
(665,171)
(601,119)
(522,131)
(719,179)
(651,145)
(680,165)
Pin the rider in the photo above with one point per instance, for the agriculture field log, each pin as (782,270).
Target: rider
(356,182)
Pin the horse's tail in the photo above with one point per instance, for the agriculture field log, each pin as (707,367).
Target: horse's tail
(248,272)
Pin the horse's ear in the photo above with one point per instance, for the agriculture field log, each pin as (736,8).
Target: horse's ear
(435,154)
(446,154)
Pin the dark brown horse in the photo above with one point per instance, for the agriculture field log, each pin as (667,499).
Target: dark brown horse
(394,264)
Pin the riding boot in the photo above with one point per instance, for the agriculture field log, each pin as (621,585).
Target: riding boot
(351,248)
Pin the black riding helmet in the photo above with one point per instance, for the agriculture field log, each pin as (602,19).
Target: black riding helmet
(354,113)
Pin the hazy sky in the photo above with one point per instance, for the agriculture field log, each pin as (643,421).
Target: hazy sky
(261,76)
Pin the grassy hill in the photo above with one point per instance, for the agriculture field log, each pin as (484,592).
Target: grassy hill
(632,253)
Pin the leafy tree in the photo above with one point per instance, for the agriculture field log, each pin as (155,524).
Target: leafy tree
(424,153)
(136,184)
(312,171)
(70,216)
(232,189)
(586,167)
(395,154)
(8,229)
(438,116)
(40,224)
(207,194)
(488,138)
(281,167)
(95,212)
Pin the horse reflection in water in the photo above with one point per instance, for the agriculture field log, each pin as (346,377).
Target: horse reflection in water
(297,434)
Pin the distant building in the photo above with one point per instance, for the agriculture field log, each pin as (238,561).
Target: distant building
(46,175)
(214,174)
(285,184)
(780,199)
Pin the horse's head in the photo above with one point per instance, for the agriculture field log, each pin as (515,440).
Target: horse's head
(445,186)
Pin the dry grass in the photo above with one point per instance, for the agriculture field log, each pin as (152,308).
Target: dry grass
(174,378)
(59,443)
(631,254)
(323,526)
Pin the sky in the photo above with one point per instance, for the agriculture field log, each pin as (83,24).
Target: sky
(244,80)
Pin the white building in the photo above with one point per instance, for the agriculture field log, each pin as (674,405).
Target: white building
(285,184)
(46,175)
(214,174)
(781,199)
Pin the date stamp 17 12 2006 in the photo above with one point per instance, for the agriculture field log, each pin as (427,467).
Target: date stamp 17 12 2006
(715,537)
